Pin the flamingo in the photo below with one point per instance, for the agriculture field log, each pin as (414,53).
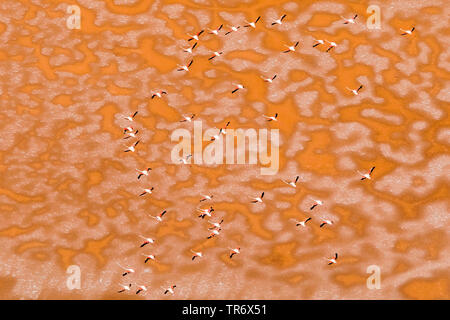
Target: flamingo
(292,183)
(234,251)
(279,21)
(252,24)
(367,175)
(258,199)
(351,20)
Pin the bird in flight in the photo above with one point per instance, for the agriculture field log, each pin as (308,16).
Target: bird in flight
(188,119)
(125,288)
(206,197)
(131,134)
(215,54)
(149,191)
(143,172)
(234,251)
(185,67)
(407,32)
(325,222)
(158,94)
(140,289)
(351,20)
(252,24)
(196,254)
(189,49)
(332,45)
(292,183)
(131,118)
(195,36)
(126,270)
(367,175)
(270,80)
(232,29)
(205,212)
(216,31)
(146,241)
(273,118)
(185,160)
(132,148)
(318,42)
(149,257)
(355,91)
(216,225)
(238,86)
(258,199)
(214,233)
(333,260)
(317,203)
(170,289)
(217,136)
(159,216)
(279,21)
(223,130)
(302,223)
(128,129)
(291,48)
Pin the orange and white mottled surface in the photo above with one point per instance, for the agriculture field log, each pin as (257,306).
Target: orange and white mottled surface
(69,194)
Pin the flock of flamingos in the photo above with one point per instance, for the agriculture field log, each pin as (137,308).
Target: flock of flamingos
(216,227)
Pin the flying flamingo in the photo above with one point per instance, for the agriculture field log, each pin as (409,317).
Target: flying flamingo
(146,241)
(355,91)
(233,29)
(143,172)
(317,203)
(252,24)
(301,223)
(216,31)
(258,199)
(158,94)
(272,118)
(408,32)
(195,36)
(159,216)
(238,86)
(141,288)
(170,289)
(367,175)
(318,42)
(131,134)
(132,148)
(279,21)
(270,80)
(325,222)
(214,233)
(131,118)
(185,67)
(333,260)
(196,254)
(234,251)
(291,48)
(216,225)
(351,20)
(127,288)
(332,45)
(149,191)
(292,183)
